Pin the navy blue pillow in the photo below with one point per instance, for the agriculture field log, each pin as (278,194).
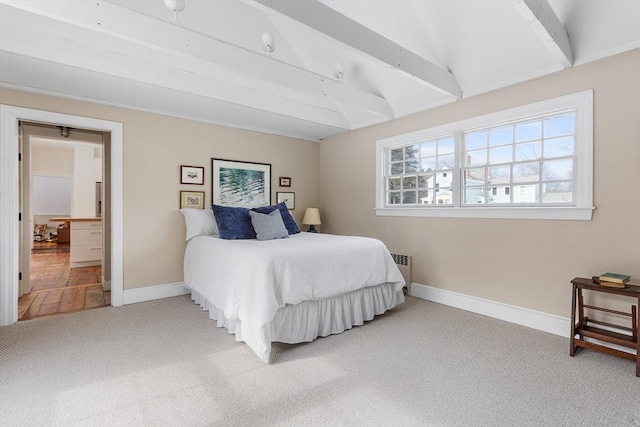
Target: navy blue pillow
(233,223)
(288,220)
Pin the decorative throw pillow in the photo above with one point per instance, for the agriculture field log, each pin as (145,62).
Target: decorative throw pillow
(199,222)
(233,222)
(288,220)
(268,226)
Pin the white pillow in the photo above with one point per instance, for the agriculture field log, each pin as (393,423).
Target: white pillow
(199,222)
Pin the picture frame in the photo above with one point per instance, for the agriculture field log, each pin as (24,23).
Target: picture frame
(289,199)
(285,181)
(192,199)
(239,183)
(191,175)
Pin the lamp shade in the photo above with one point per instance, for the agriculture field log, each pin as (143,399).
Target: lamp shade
(312,217)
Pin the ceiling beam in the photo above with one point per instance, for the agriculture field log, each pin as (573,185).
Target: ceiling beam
(547,26)
(189,48)
(177,79)
(326,20)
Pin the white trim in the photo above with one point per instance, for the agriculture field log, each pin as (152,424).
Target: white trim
(149,293)
(510,313)
(9,202)
(244,126)
(522,316)
(78,264)
(511,212)
(605,53)
(583,171)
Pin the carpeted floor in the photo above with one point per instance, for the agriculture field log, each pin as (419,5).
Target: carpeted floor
(164,363)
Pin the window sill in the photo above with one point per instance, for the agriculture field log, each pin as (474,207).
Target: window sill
(554,213)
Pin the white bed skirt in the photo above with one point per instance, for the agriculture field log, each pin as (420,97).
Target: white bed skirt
(308,320)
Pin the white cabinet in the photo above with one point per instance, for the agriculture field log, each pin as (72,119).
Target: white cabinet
(86,243)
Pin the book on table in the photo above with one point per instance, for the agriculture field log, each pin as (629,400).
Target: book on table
(612,284)
(620,279)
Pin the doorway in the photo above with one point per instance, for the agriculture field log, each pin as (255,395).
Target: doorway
(61,244)
(10,215)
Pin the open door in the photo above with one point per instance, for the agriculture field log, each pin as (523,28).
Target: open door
(54,169)
(10,116)
(23,263)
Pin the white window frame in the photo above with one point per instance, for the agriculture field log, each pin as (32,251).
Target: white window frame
(581,208)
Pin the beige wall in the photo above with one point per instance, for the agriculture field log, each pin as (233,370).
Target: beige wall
(52,161)
(154,148)
(526,263)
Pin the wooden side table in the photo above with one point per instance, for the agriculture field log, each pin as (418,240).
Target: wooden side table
(584,327)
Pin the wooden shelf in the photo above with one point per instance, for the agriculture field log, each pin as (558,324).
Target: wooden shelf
(582,327)
(604,349)
(609,336)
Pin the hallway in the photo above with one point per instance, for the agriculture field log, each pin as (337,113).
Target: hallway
(56,288)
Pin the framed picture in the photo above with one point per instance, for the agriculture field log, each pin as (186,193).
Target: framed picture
(285,181)
(191,175)
(288,198)
(236,183)
(192,199)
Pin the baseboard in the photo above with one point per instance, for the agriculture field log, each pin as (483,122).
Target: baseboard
(80,264)
(522,316)
(149,293)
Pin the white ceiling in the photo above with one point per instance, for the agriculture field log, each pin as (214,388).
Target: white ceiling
(399,56)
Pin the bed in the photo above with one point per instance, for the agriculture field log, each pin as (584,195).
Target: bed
(291,289)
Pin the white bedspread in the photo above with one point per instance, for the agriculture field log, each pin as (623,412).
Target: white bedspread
(250,280)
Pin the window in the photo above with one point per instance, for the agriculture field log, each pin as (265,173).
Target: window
(539,153)
(534,161)
(416,173)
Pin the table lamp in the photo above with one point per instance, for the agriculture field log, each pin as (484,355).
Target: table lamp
(312,218)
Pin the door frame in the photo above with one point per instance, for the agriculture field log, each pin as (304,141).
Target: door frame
(10,116)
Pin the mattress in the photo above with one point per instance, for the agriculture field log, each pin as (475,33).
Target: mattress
(291,290)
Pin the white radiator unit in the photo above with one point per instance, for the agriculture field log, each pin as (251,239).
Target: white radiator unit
(404,265)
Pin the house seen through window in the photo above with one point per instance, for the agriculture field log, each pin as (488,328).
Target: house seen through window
(521,158)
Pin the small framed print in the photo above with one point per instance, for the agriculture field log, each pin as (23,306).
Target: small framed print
(192,199)
(191,175)
(288,198)
(285,181)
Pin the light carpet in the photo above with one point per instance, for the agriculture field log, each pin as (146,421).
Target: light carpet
(164,363)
